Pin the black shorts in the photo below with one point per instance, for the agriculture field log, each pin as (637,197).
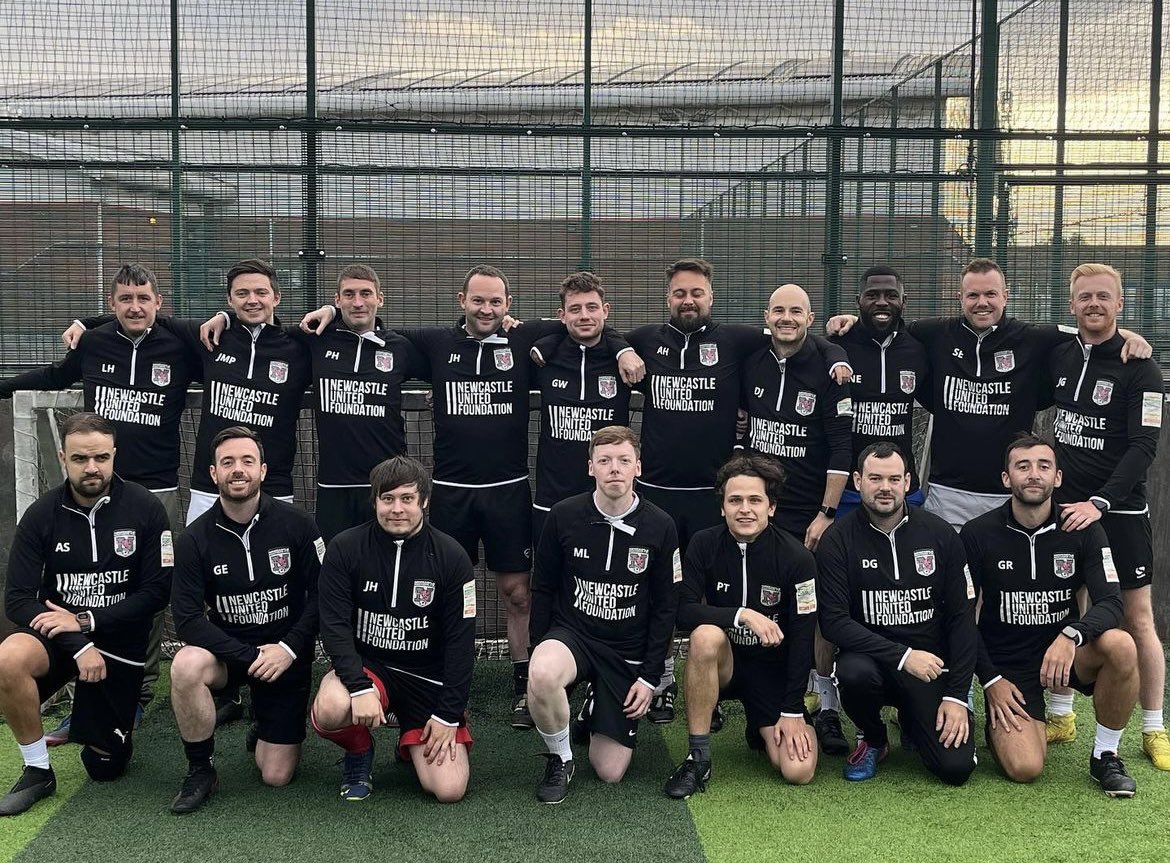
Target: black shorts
(279,707)
(412,698)
(1131,541)
(342,507)
(692,509)
(1027,680)
(103,712)
(758,682)
(539,517)
(500,516)
(611,677)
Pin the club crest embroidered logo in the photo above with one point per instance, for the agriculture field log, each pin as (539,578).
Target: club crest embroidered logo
(279,560)
(503,359)
(1005,361)
(424,593)
(708,353)
(160,374)
(384,361)
(278,371)
(806,402)
(769,595)
(907,380)
(924,561)
(607,386)
(637,560)
(1064,565)
(125,542)
(1102,392)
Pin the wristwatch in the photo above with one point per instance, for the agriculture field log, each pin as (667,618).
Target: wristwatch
(85,621)
(1100,503)
(1073,633)
(829,511)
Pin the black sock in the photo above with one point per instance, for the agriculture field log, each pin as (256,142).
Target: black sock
(201,753)
(520,677)
(700,745)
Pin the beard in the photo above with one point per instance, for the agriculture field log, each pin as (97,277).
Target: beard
(690,325)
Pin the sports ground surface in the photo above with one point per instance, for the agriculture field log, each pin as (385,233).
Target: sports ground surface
(746,814)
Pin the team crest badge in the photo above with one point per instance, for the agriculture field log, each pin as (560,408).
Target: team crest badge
(907,381)
(806,403)
(1064,565)
(125,542)
(769,595)
(279,560)
(607,386)
(503,358)
(384,361)
(424,593)
(637,560)
(708,353)
(1103,392)
(160,374)
(924,561)
(278,371)
(1005,361)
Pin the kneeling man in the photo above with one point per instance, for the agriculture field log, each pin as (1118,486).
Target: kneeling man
(753,637)
(398,622)
(604,598)
(1031,633)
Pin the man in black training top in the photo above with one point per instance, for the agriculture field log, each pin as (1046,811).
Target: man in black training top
(89,569)
(604,597)
(581,391)
(897,600)
(245,602)
(890,373)
(749,600)
(397,601)
(1107,423)
(1031,633)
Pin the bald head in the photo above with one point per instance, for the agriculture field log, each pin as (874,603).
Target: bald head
(788,317)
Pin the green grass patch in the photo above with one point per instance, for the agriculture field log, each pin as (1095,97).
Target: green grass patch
(749,813)
(499,820)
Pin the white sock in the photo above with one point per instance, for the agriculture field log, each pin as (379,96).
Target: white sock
(558,743)
(1059,705)
(1107,740)
(35,754)
(667,675)
(826,688)
(1152,720)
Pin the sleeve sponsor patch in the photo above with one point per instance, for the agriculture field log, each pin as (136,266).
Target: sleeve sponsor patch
(468,599)
(1107,562)
(845,408)
(676,567)
(806,597)
(319,544)
(1152,410)
(166,547)
(970,583)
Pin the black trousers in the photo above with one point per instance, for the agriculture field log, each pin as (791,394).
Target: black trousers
(866,687)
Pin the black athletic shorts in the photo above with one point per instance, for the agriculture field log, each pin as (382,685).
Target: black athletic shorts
(342,507)
(500,516)
(1027,680)
(758,682)
(611,677)
(1131,542)
(412,699)
(279,707)
(103,712)
(692,509)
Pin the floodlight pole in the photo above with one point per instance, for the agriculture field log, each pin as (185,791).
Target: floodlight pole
(310,254)
(1149,292)
(833,259)
(987,154)
(1056,301)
